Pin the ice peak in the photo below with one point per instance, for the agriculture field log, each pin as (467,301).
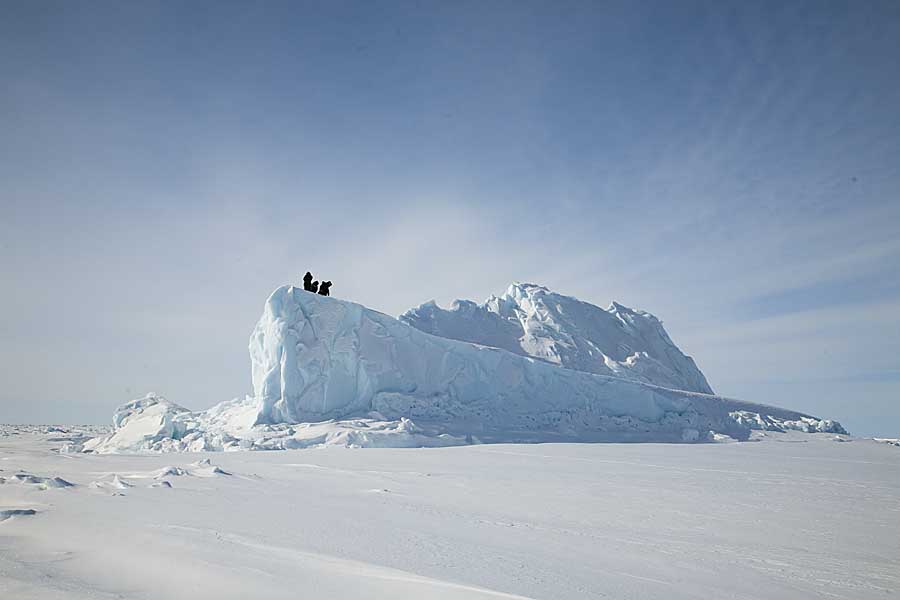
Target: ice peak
(529,287)
(532,320)
(616,307)
(621,309)
(517,290)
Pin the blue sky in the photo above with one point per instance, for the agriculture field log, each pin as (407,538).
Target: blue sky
(732,167)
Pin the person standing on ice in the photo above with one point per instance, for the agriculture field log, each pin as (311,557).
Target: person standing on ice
(314,287)
(324,287)
(307,281)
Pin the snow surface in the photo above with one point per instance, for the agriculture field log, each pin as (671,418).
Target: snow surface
(530,320)
(787,516)
(331,372)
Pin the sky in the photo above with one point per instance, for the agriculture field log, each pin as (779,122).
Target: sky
(732,167)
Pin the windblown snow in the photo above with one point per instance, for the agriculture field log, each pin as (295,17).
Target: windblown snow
(790,516)
(528,366)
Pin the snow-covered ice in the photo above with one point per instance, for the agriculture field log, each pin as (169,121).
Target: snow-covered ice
(784,516)
(331,372)
(531,320)
(768,422)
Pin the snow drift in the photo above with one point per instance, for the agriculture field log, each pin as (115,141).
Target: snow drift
(329,371)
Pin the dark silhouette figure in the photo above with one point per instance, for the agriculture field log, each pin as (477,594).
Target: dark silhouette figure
(314,287)
(307,281)
(323,289)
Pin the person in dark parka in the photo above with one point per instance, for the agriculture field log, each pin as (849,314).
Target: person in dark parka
(314,287)
(324,288)
(307,281)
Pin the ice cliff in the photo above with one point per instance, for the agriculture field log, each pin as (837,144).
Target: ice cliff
(329,371)
(530,320)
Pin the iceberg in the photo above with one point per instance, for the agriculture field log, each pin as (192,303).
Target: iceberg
(327,371)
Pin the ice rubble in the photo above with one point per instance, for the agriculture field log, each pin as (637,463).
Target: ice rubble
(804,423)
(38,481)
(530,320)
(889,441)
(16,512)
(331,372)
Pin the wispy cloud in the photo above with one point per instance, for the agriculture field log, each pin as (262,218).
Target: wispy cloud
(734,170)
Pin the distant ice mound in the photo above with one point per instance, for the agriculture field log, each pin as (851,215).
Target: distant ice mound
(768,422)
(530,320)
(328,371)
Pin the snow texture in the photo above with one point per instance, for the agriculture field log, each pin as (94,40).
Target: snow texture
(331,372)
(791,516)
(530,320)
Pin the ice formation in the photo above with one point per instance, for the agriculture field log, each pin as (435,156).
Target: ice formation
(806,424)
(530,320)
(328,371)
(889,441)
(36,480)
(16,512)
